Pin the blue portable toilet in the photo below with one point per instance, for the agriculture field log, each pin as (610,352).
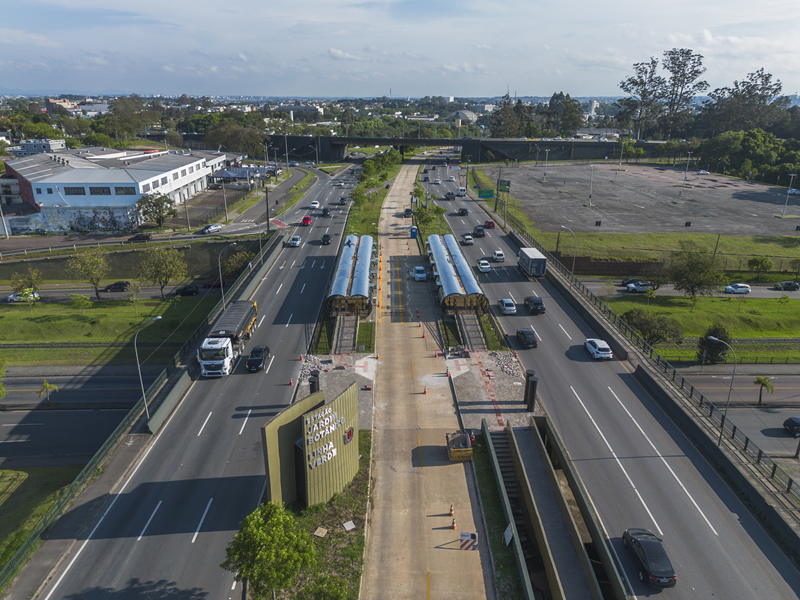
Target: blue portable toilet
(413,232)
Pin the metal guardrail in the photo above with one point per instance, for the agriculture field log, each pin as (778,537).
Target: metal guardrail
(681,385)
(740,360)
(69,494)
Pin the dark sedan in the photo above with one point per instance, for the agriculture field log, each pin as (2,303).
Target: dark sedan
(654,566)
(527,338)
(187,290)
(257,358)
(792,425)
(118,286)
(628,280)
(535,305)
(788,286)
(141,237)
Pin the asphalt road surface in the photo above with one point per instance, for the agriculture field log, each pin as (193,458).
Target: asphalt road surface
(97,389)
(635,463)
(182,503)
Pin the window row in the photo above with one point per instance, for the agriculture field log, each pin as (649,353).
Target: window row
(94,191)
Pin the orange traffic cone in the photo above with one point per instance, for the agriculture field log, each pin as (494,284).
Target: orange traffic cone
(377,356)
(454,524)
(448,371)
(452,511)
(423,334)
(301,358)
(425,391)
(420,324)
(290,381)
(515,354)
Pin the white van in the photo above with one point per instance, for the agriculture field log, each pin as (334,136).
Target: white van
(461,192)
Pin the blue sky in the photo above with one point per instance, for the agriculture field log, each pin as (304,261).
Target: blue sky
(402,47)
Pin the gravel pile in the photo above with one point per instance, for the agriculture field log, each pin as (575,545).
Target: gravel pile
(506,363)
(312,363)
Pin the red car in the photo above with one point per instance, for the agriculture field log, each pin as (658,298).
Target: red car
(489,224)
(212,283)
(306,220)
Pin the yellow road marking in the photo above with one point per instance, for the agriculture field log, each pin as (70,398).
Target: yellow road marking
(429,585)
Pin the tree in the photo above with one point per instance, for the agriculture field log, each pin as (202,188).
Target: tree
(28,296)
(794,265)
(694,273)
(759,264)
(269,550)
(646,89)
(654,328)
(161,264)
(30,279)
(80,302)
(754,103)
(157,208)
(764,382)
(132,295)
(236,263)
(91,265)
(174,138)
(684,67)
(571,117)
(505,121)
(714,351)
(783,300)
(609,289)
(46,389)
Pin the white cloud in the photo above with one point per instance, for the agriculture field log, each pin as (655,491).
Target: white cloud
(339,55)
(168,68)
(243,57)
(24,38)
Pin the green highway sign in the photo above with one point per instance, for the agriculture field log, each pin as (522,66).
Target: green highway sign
(485,193)
(503,185)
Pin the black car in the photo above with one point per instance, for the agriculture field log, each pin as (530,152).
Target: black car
(535,305)
(450,195)
(424,170)
(479,232)
(326,239)
(342,200)
(463,211)
(119,286)
(631,280)
(326,212)
(792,425)
(527,337)
(408,213)
(257,358)
(187,290)
(141,237)
(654,567)
(788,286)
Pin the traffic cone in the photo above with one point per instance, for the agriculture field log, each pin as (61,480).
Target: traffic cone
(290,381)
(301,358)
(454,524)
(472,438)
(452,511)
(377,356)
(448,371)
(515,354)
(420,324)
(423,334)
(425,391)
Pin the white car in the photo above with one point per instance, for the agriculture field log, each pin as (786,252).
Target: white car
(737,288)
(420,274)
(794,191)
(603,140)
(702,172)
(483,265)
(211,228)
(467,239)
(338,183)
(20,298)
(598,349)
(507,307)
(437,181)
(315,204)
(639,286)
(451,178)
(498,256)
(295,241)
(309,162)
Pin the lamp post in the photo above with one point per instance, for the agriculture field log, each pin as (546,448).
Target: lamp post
(591,185)
(725,415)
(138,366)
(219,264)
(576,248)
(785,204)
(546,155)
(686,171)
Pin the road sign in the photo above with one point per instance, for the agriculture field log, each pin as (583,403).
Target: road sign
(469,541)
(504,185)
(485,193)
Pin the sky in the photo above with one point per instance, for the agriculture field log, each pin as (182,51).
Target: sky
(398,48)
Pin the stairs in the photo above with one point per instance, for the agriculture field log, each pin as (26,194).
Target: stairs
(345,334)
(469,327)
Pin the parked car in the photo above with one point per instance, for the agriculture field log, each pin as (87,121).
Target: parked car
(307,220)
(187,290)
(467,239)
(535,305)
(479,231)
(211,228)
(213,283)
(702,172)
(507,306)
(463,211)
(118,286)
(639,286)
(654,566)
(19,297)
(792,425)
(598,349)
(258,356)
(489,224)
(794,191)
(420,274)
(408,213)
(326,239)
(483,265)
(788,286)
(737,288)
(295,241)
(141,237)
(527,338)
(498,256)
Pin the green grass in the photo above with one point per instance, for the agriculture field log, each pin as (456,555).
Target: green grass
(325,341)
(450,332)
(25,496)
(744,317)
(365,214)
(494,336)
(297,192)
(506,573)
(366,336)
(340,554)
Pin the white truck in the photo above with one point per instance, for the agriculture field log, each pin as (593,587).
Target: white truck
(461,192)
(226,341)
(532,262)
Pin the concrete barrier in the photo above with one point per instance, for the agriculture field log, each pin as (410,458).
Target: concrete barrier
(163,411)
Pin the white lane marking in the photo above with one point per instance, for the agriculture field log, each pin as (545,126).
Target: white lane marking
(294,261)
(269,365)
(117,496)
(20,424)
(313,263)
(304,245)
(146,525)
(203,518)
(302,288)
(323,265)
(326,229)
(245,421)
(537,333)
(619,464)
(278,290)
(283,265)
(204,425)
(290,319)
(565,332)
(652,445)
(512,298)
(482,252)
(12,441)
(233,587)
(462,222)
(262,320)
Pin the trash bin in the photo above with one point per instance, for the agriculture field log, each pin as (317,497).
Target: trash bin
(313,383)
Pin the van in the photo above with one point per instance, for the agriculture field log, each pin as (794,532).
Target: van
(461,192)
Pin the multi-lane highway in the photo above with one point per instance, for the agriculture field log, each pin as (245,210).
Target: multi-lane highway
(174,515)
(637,466)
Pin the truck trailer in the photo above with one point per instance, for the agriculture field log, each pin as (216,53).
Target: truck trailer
(226,341)
(532,262)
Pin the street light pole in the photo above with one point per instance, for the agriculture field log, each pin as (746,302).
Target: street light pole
(575,252)
(785,204)
(138,366)
(591,185)
(686,171)
(219,264)
(725,415)
(546,155)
